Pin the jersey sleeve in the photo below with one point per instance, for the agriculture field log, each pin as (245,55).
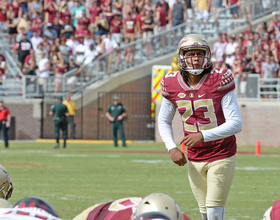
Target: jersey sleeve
(233,123)
(165,117)
(84,214)
(163,91)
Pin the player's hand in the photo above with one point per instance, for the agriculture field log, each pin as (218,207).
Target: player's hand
(192,139)
(178,156)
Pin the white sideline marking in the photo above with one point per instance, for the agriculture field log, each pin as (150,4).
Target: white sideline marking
(150,161)
(85,155)
(65,198)
(27,151)
(257,168)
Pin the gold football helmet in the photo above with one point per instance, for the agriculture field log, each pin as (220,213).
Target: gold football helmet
(158,206)
(6,186)
(193,42)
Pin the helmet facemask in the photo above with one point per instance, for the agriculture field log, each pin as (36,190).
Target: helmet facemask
(152,215)
(6,186)
(189,64)
(6,190)
(196,43)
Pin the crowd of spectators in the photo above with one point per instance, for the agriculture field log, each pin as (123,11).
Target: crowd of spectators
(53,36)
(254,51)
(48,35)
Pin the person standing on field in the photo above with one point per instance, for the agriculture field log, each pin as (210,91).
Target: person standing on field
(5,122)
(59,112)
(205,99)
(116,113)
(71,106)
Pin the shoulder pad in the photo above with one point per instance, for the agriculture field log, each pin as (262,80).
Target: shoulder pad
(163,88)
(166,82)
(227,79)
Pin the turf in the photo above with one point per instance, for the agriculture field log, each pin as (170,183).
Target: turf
(75,178)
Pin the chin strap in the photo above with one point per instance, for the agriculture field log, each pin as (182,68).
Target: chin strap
(196,72)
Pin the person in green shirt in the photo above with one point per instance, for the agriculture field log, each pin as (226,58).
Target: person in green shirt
(116,113)
(59,112)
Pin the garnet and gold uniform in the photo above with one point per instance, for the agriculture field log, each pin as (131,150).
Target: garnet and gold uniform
(205,99)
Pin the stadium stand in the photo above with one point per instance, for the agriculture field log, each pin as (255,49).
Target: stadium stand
(80,22)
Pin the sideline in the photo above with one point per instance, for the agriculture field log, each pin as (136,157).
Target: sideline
(83,141)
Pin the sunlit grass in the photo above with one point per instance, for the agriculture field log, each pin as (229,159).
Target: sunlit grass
(75,178)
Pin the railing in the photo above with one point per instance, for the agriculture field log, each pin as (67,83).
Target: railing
(253,87)
(13,68)
(248,87)
(4,45)
(166,41)
(134,53)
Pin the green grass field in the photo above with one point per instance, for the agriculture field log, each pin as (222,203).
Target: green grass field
(75,178)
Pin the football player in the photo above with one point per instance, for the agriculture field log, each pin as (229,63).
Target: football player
(156,206)
(6,186)
(273,212)
(205,99)
(29,208)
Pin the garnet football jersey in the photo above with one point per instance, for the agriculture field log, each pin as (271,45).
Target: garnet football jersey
(275,212)
(121,209)
(200,109)
(118,209)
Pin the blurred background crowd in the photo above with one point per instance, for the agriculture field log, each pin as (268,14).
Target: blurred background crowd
(51,37)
